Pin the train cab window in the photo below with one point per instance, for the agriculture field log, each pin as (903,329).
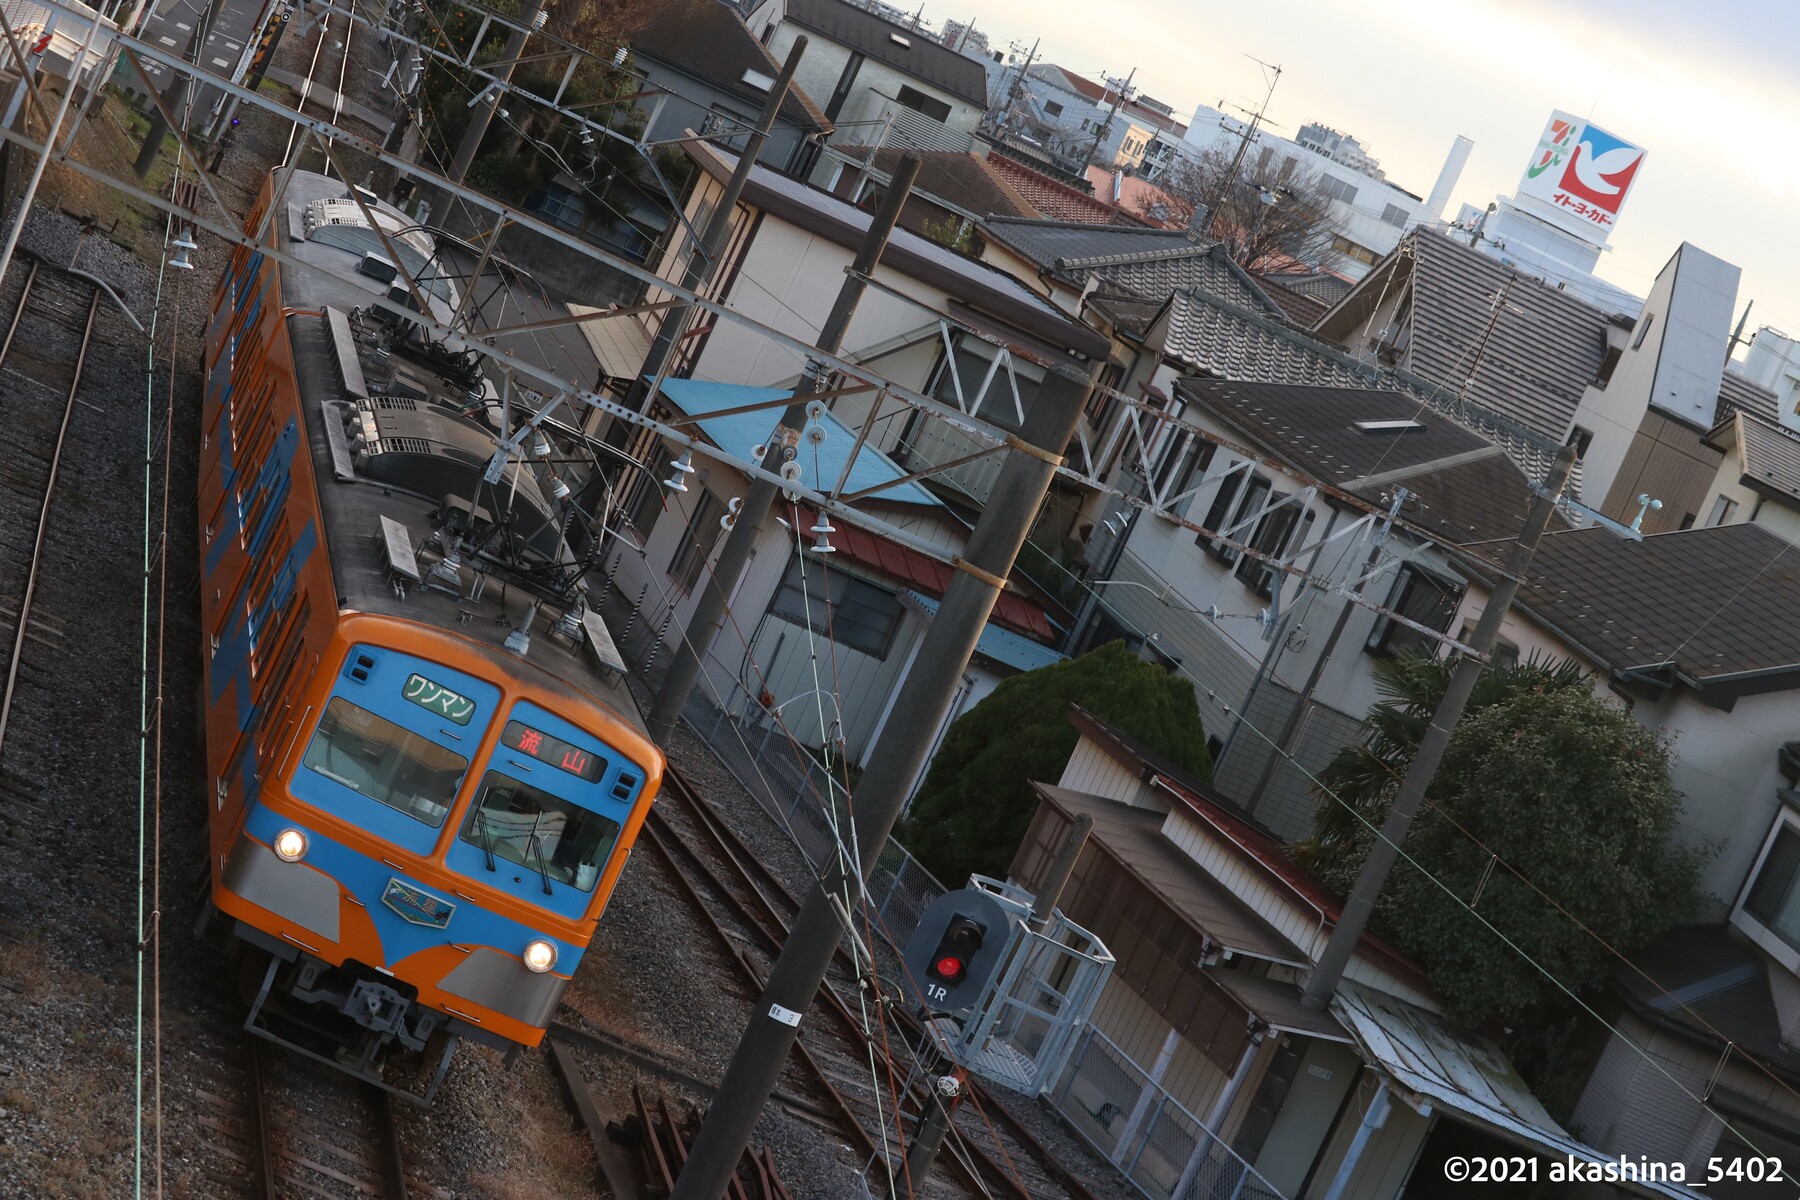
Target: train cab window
(376,758)
(559,841)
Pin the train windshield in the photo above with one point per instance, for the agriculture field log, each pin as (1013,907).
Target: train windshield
(559,841)
(374,757)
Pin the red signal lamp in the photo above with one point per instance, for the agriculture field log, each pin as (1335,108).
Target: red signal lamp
(950,970)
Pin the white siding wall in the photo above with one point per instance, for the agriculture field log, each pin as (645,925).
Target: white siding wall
(1092,770)
(1291,916)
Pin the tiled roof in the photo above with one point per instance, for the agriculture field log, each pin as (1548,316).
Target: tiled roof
(1141,197)
(1768,455)
(923,57)
(1235,343)
(705,39)
(1717,602)
(1047,240)
(1723,983)
(960,178)
(1220,341)
(1322,286)
(1736,392)
(1470,498)
(1304,311)
(1530,362)
(1057,200)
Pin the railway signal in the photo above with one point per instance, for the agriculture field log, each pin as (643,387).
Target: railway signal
(960,944)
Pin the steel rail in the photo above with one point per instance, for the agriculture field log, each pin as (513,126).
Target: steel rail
(740,855)
(43,523)
(772,929)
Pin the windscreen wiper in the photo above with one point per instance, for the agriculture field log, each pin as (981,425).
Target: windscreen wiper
(487,836)
(533,845)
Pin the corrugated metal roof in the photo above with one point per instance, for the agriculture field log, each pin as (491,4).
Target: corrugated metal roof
(820,466)
(1001,645)
(1465,1075)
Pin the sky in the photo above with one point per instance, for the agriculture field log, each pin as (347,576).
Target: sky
(1702,87)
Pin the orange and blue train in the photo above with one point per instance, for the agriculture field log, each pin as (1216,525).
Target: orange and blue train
(424,769)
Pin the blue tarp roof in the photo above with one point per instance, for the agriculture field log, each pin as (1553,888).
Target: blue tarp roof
(740,432)
(1001,645)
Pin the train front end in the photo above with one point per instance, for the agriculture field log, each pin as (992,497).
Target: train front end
(431,857)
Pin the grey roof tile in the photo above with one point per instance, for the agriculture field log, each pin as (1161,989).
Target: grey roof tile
(1314,429)
(1738,393)
(1715,601)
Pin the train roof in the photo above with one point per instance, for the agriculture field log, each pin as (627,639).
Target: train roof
(425,439)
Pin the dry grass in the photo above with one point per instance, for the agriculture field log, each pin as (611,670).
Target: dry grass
(548,1157)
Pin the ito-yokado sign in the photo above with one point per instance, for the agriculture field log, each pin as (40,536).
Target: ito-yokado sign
(1582,173)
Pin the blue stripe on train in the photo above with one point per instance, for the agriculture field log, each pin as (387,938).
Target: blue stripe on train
(366,879)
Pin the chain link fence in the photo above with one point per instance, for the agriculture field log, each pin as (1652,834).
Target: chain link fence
(1161,1147)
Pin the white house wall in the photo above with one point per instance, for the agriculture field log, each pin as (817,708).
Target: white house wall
(823,65)
(1388,1157)
(1093,771)
(1724,762)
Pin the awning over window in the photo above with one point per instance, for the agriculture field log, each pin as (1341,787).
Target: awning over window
(1468,1078)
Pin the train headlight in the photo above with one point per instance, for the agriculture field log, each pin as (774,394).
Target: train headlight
(290,845)
(540,956)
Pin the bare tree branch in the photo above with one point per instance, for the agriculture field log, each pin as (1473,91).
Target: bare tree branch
(1292,231)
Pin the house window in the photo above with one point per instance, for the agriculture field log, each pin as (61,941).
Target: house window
(857,614)
(918,101)
(973,359)
(1271,537)
(1418,596)
(1643,330)
(696,541)
(1581,439)
(736,127)
(1394,215)
(1238,498)
(1608,364)
(1774,898)
(1052,108)
(1337,189)
(1504,653)
(1350,249)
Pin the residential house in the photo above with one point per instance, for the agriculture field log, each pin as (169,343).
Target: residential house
(1202,1073)
(1080,122)
(1294,472)
(1759,475)
(784,263)
(1140,197)
(1697,633)
(881,83)
(1635,397)
(818,639)
(706,73)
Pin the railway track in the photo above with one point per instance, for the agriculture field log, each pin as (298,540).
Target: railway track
(279,1127)
(749,909)
(42,392)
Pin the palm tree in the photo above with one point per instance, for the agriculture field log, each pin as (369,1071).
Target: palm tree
(1361,780)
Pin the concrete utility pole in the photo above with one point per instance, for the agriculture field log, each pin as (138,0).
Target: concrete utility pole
(1249,135)
(1012,91)
(1030,463)
(1355,917)
(1106,126)
(703,259)
(709,611)
(1285,739)
(531,18)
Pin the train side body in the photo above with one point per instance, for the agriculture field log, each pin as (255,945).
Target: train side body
(455,801)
